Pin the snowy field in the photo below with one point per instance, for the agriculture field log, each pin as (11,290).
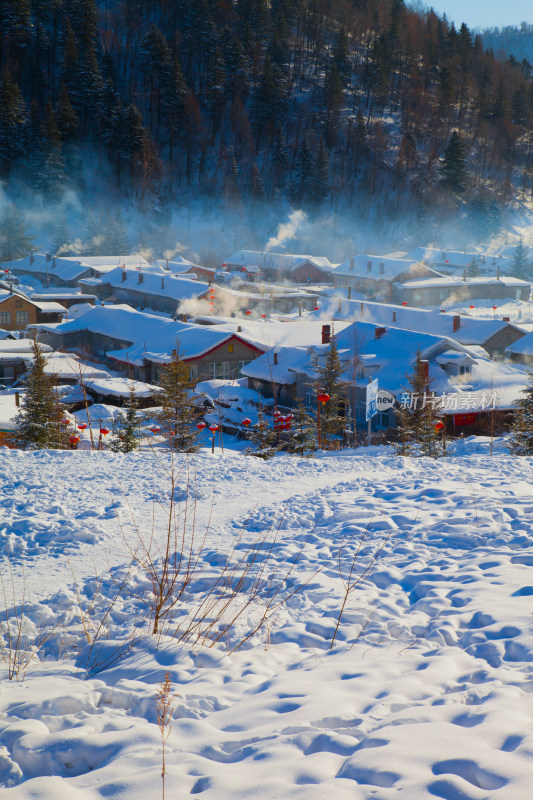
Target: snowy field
(427,690)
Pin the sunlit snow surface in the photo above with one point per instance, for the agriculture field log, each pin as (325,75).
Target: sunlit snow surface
(428,691)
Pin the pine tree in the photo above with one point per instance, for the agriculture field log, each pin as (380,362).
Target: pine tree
(38,423)
(126,426)
(521,264)
(453,166)
(521,442)
(322,176)
(417,433)
(177,416)
(13,122)
(302,437)
(14,241)
(263,436)
(330,381)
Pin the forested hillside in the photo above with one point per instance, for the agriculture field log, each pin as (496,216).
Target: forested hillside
(329,104)
(511,41)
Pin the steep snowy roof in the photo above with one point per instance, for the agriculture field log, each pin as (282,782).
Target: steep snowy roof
(161,284)
(523,346)
(149,337)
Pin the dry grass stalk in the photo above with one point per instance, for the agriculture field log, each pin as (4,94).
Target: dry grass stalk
(165,706)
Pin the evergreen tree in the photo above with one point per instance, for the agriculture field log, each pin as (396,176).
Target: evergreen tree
(263,436)
(302,436)
(13,122)
(126,426)
(417,420)
(66,117)
(178,413)
(453,166)
(38,422)
(322,176)
(521,264)
(521,443)
(330,381)
(14,241)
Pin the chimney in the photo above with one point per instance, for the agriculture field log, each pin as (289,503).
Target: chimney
(54,262)
(464,274)
(506,319)
(123,275)
(352,263)
(443,311)
(456,323)
(32,258)
(300,308)
(162,283)
(424,370)
(239,328)
(362,309)
(394,316)
(369,266)
(140,278)
(381,267)
(349,292)
(48,257)
(379,332)
(326,334)
(498,273)
(167,263)
(275,359)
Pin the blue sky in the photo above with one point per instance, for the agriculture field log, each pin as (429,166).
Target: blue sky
(485,13)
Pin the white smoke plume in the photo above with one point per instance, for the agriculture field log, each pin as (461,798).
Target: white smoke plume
(287,230)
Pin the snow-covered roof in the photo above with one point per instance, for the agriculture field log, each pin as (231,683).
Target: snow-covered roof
(68,268)
(19,346)
(120,387)
(391,358)
(48,307)
(376,267)
(149,337)
(455,258)
(472,330)
(523,346)
(161,284)
(298,332)
(450,281)
(277,261)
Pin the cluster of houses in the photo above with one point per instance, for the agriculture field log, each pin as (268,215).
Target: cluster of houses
(263,322)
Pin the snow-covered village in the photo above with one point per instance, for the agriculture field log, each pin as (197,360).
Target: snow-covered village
(266,400)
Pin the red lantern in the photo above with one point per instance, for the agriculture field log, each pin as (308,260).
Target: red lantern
(155,428)
(82,426)
(200,425)
(213,427)
(316,308)
(471,306)
(439,425)
(65,422)
(247,313)
(494,308)
(264,316)
(404,303)
(246,421)
(323,398)
(105,431)
(74,439)
(277,413)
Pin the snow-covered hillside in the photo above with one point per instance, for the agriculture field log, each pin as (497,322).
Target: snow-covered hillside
(426,692)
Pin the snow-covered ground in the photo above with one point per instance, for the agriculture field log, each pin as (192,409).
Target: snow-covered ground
(426,692)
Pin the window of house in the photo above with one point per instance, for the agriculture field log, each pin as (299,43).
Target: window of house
(18,303)
(5,317)
(465,370)
(417,296)
(193,372)
(219,370)
(310,397)
(23,317)
(242,364)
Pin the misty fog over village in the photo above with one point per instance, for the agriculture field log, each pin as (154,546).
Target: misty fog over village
(266,401)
